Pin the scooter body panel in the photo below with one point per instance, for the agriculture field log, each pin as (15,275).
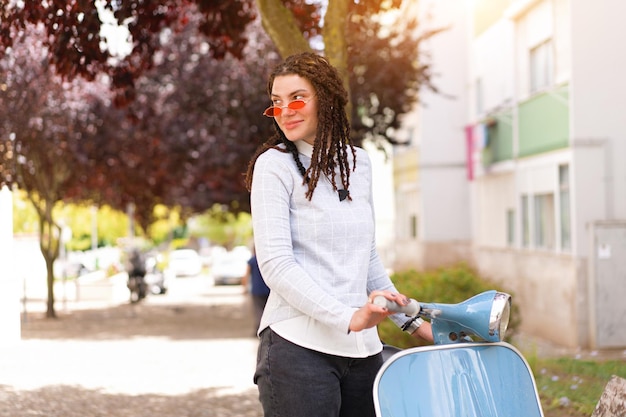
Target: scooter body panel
(459,380)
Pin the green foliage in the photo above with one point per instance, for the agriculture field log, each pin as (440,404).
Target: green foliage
(111,224)
(222,227)
(447,285)
(79,243)
(179,243)
(25,219)
(218,225)
(572,383)
(166,225)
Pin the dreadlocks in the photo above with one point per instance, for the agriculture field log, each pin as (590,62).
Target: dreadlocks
(332,140)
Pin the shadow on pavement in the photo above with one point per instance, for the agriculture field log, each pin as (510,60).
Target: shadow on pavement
(176,322)
(71,401)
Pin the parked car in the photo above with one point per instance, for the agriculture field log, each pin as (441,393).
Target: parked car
(185,262)
(231,267)
(75,269)
(210,253)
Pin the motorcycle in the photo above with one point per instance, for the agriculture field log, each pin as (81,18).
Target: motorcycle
(136,277)
(137,286)
(157,280)
(469,371)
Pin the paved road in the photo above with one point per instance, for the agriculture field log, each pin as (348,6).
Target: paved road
(190,352)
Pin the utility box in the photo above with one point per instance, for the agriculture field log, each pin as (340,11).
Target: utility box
(607,285)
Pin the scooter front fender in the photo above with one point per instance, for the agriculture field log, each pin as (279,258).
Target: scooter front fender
(460,380)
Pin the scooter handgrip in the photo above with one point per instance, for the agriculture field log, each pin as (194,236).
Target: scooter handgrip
(410,309)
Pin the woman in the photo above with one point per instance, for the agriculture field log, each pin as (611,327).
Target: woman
(313,226)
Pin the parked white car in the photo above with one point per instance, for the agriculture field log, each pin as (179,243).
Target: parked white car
(231,267)
(185,262)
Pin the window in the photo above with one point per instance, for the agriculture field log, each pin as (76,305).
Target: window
(407,218)
(510,227)
(544,224)
(413,226)
(525,222)
(541,67)
(564,208)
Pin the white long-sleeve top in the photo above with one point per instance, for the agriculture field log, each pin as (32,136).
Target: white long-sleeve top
(318,257)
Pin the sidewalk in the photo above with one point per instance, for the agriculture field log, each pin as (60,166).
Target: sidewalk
(174,355)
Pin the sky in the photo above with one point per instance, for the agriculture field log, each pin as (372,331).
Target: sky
(117,37)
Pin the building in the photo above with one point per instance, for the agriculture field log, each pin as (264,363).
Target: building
(521,173)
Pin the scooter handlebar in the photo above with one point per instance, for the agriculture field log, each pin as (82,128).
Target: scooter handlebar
(412,309)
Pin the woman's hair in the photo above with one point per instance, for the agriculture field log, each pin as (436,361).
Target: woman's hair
(332,140)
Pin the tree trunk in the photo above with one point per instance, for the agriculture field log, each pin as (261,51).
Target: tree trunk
(282,28)
(335,42)
(49,241)
(50,311)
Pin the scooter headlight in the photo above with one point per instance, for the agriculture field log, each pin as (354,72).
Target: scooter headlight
(500,313)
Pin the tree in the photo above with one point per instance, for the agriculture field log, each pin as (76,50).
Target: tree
(210,117)
(183,142)
(380,63)
(44,119)
(350,35)
(186,139)
(76,46)
(180,140)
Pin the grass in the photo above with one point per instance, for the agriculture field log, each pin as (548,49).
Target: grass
(573,384)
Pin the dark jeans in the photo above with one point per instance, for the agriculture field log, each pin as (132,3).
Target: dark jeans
(297,382)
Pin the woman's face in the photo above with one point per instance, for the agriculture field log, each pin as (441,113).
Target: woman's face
(298,124)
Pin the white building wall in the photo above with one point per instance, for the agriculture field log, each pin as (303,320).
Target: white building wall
(493,64)
(598,97)
(384,208)
(589,194)
(491,221)
(562,41)
(443,185)
(533,28)
(539,175)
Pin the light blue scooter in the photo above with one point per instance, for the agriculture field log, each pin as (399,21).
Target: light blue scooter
(468,372)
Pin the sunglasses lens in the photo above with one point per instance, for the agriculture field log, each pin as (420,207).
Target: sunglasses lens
(272,112)
(296,105)
(277,111)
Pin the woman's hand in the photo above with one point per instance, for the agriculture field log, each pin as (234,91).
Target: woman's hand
(371,314)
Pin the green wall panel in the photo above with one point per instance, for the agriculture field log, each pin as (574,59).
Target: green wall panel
(544,122)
